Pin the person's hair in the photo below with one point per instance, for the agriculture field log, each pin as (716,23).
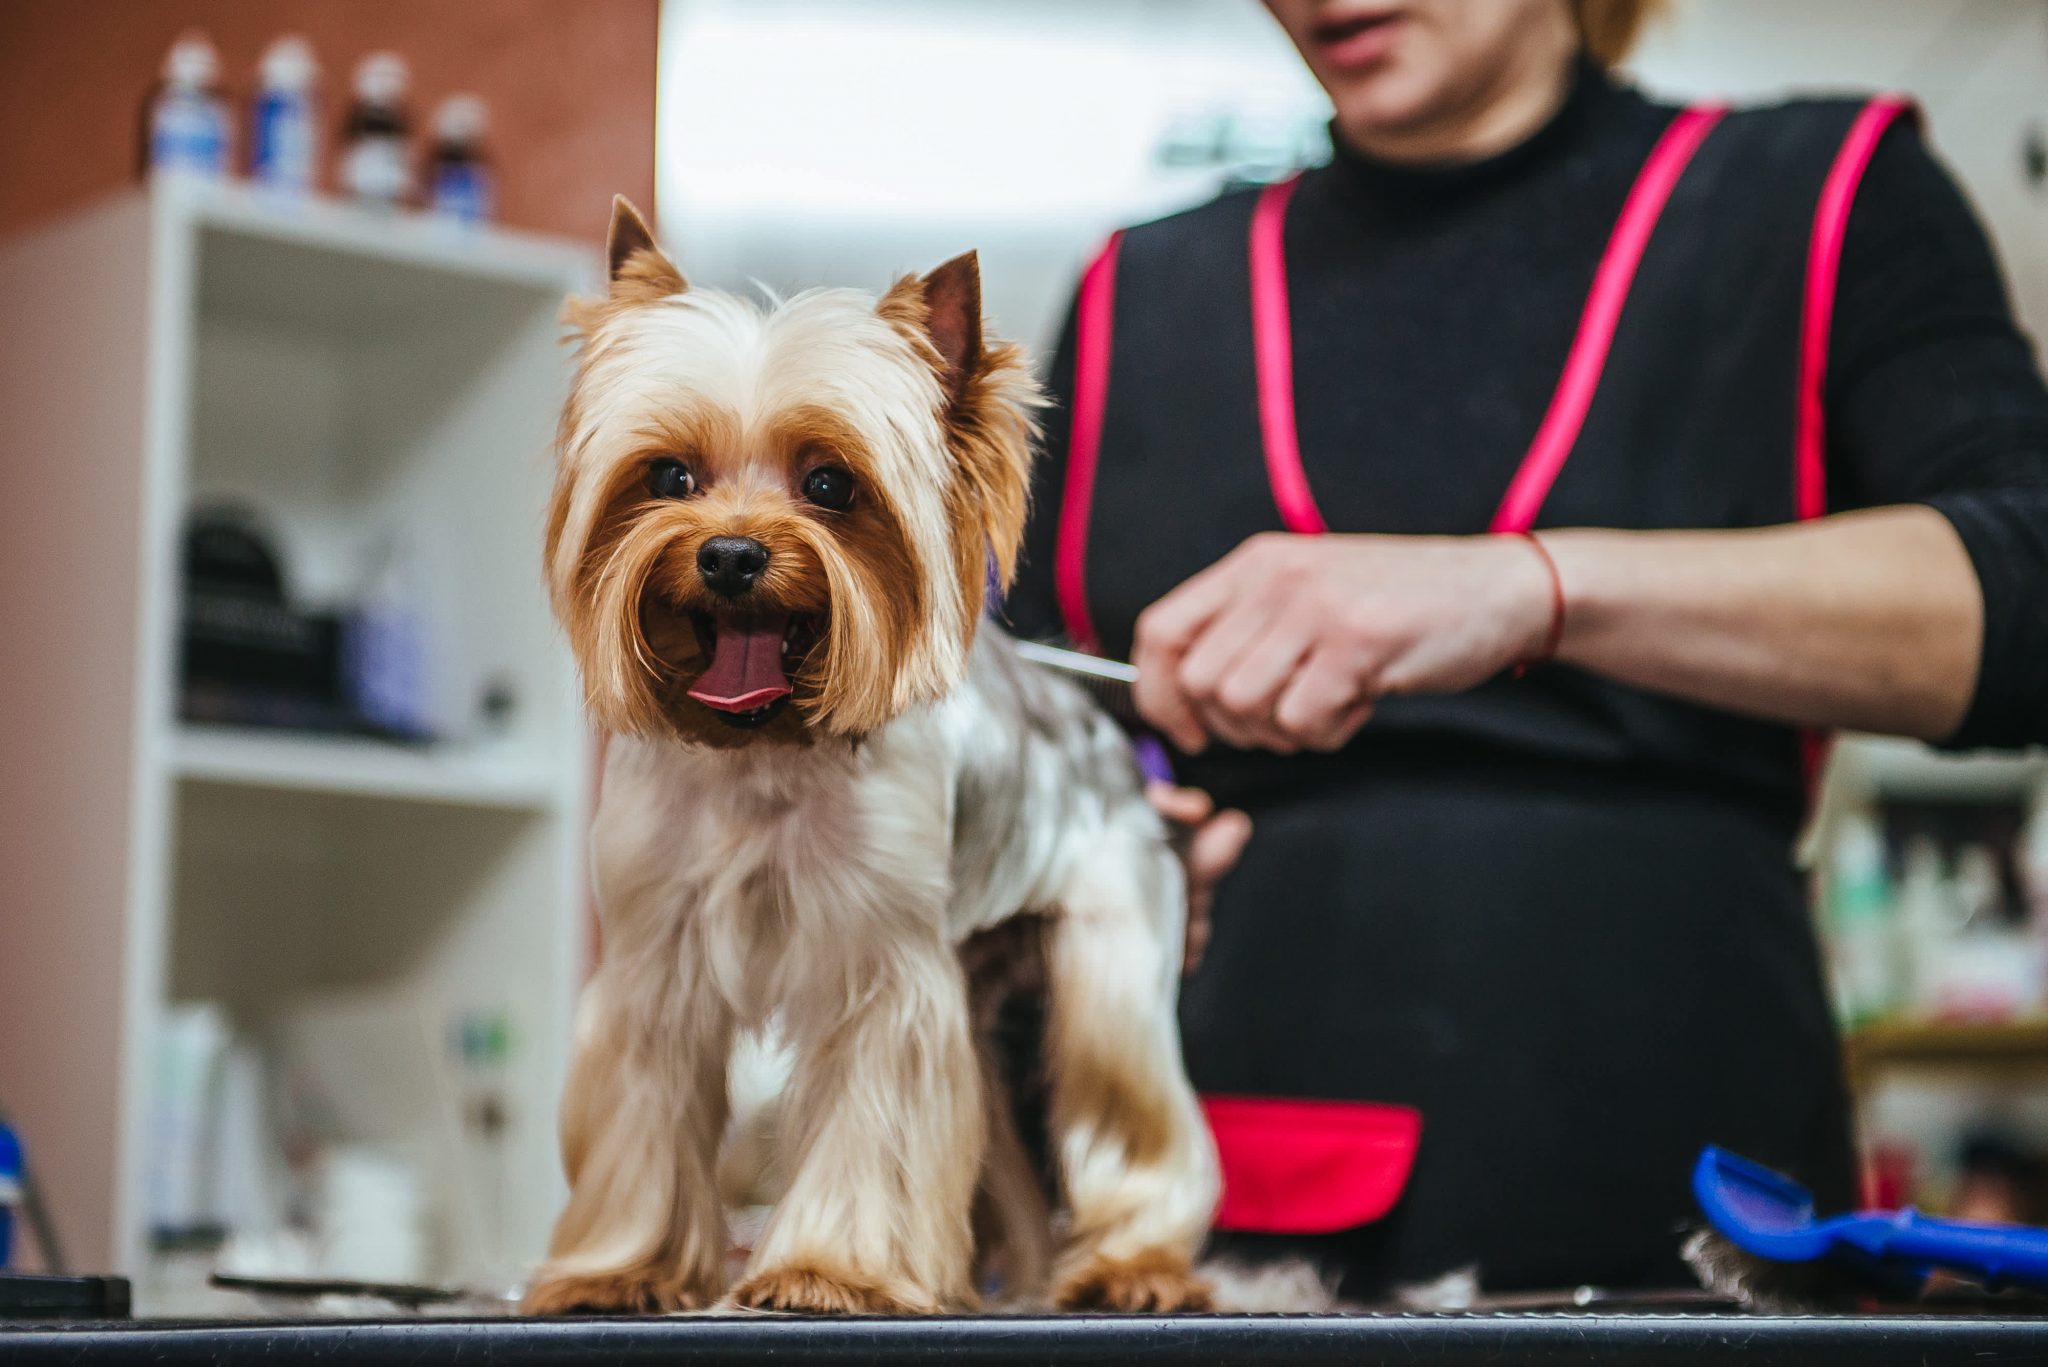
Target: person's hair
(1609,28)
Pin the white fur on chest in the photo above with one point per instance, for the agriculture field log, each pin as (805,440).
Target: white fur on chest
(947,820)
(759,849)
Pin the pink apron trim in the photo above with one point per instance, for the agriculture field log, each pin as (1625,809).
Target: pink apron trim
(1559,431)
(1093,324)
(1273,342)
(1817,316)
(1292,1166)
(1823,267)
(1273,358)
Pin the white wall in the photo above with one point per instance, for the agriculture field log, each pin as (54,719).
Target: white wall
(842,141)
(821,141)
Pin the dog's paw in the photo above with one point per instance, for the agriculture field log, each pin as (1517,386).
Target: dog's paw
(816,1291)
(1150,1284)
(636,1292)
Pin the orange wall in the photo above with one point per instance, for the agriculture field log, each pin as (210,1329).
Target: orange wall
(570,84)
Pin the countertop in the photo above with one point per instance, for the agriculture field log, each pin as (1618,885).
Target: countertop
(1449,1340)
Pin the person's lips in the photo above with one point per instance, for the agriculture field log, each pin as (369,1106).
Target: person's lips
(1356,38)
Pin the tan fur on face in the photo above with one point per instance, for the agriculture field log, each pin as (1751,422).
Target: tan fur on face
(751,399)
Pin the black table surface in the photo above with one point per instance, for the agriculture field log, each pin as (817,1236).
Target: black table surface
(1448,1340)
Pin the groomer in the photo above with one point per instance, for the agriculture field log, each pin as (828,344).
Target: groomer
(1500,516)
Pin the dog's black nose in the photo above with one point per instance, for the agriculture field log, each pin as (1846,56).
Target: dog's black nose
(731,564)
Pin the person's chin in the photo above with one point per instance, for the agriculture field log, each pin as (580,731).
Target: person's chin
(1381,110)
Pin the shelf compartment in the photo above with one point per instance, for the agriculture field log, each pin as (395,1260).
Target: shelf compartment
(359,767)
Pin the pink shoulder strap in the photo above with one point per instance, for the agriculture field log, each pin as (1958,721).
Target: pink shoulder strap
(1561,424)
(1094,325)
(1273,357)
(1823,267)
(1559,430)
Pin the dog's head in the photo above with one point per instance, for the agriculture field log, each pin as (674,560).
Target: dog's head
(776,522)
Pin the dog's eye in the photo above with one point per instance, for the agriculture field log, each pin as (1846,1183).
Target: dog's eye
(670,479)
(828,486)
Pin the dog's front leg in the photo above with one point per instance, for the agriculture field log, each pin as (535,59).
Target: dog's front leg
(641,1119)
(886,1130)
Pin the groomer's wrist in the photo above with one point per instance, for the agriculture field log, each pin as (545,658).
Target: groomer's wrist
(1593,578)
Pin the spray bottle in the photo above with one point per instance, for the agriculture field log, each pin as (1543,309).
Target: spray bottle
(376,155)
(459,180)
(284,137)
(188,128)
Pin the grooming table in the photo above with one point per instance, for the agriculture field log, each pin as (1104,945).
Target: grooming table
(1447,1340)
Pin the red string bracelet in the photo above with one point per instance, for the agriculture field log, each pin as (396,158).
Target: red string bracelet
(1556,632)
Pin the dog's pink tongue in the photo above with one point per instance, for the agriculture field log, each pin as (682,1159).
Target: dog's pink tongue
(746,664)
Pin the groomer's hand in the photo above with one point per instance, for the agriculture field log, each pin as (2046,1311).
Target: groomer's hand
(1215,840)
(1286,643)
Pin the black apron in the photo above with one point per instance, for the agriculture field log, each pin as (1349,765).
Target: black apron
(1530,912)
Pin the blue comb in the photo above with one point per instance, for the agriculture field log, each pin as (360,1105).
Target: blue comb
(1770,1216)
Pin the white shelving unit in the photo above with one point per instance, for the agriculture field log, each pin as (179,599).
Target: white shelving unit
(1874,767)
(346,901)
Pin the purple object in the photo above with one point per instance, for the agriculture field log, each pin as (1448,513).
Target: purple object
(1153,761)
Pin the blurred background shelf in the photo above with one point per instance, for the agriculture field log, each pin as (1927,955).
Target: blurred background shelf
(1994,1050)
(1908,769)
(349,913)
(446,250)
(361,767)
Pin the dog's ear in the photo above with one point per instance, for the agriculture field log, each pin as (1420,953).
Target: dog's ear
(944,308)
(952,303)
(639,269)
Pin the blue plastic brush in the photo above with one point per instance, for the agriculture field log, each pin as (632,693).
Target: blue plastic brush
(1770,1217)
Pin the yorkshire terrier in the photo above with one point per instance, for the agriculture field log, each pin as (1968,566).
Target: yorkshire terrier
(771,535)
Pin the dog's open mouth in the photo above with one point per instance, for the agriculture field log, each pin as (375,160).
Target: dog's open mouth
(753,655)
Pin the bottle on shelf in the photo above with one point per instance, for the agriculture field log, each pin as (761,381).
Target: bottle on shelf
(283,126)
(1927,924)
(1859,908)
(188,128)
(460,183)
(376,136)
(2033,862)
(386,654)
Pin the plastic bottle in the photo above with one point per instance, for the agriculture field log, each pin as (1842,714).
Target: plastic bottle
(385,645)
(189,130)
(284,133)
(1859,908)
(376,154)
(10,1192)
(460,185)
(1926,924)
(2033,861)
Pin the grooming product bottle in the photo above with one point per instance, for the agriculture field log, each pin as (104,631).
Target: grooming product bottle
(188,127)
(189,1046)
(1926,924)
(10,1192)
(1858,924)
(385,647)
(284,132)
(460,183)
(376,136)
(2033,871)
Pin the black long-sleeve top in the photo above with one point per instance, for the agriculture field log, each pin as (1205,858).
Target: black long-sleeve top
(1459,295)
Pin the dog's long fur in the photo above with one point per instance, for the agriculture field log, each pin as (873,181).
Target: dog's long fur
(818,874)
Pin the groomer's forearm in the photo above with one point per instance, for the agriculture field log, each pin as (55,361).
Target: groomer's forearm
(1871,620)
